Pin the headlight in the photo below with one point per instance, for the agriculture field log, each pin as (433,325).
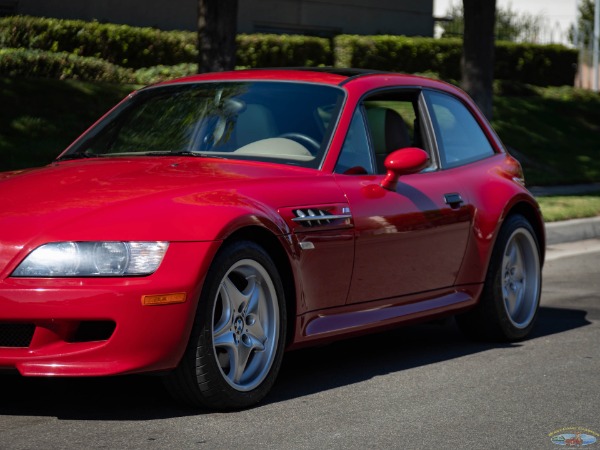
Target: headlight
(92,259)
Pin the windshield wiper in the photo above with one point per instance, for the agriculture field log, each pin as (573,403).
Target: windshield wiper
(165,153)
(70,156)
(182,153)
(186,153)
(154,153)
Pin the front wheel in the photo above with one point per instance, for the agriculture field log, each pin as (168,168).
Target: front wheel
(237,342)
(509,303)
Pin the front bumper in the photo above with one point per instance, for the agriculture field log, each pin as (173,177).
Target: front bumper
(98,326)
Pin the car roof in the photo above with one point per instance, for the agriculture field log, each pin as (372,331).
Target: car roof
(324,75)
(357,80)
(266,75)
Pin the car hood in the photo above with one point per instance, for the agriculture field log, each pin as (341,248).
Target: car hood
(160,198)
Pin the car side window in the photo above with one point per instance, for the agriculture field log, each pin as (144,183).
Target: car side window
(460,138)
(392,123)
(355,157)
(383,123)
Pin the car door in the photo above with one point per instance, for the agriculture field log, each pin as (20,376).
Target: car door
(412,239)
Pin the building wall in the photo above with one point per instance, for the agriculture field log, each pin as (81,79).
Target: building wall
(411,17)
(168,15)
(320,17)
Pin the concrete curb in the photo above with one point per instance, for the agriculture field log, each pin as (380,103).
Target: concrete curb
(572,230)
(569,230)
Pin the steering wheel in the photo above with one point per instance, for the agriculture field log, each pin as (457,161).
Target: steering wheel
(313,145)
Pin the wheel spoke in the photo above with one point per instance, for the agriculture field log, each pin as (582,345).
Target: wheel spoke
(519,290)
(226,315)
(236,299)
(224,339)
(227,359)
(510,298)
(512,253)
(240,361)
(518,265)
(255,343)
(253,294)
(255,329)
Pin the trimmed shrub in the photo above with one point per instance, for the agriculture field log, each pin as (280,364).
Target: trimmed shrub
(151,75)
(255,50)
(119,44)
(36,63)
(175,51)
(542,65)
(138,47)
(400,54)
(273,50)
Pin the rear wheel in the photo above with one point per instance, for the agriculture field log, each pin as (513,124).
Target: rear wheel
(509,303)
(236,346)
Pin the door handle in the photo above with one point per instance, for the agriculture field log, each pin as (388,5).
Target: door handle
(453,200)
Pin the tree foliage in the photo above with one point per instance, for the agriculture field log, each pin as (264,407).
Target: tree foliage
(583,32)
(510,25)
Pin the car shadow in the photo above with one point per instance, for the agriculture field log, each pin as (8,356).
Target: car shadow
(304,372)
(347,362)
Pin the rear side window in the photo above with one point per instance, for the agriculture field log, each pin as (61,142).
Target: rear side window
(460,138)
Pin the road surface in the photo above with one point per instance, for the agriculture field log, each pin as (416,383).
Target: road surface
(419,387)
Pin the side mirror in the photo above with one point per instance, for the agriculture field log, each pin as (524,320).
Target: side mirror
(402,162)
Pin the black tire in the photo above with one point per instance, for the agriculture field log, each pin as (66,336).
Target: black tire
(241,316)
(508,306)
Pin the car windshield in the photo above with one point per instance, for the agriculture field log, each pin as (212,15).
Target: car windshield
(270,121)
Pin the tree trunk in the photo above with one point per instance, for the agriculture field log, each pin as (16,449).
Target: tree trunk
(477,61)
(217,30)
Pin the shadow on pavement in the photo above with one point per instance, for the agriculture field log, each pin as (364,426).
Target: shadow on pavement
(304,372)
(313,370)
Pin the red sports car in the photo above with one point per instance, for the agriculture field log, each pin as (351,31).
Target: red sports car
(206,225)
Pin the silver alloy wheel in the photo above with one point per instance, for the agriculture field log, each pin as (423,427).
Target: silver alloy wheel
(245,325)
(521,278)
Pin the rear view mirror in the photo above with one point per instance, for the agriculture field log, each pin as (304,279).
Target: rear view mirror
(403,162)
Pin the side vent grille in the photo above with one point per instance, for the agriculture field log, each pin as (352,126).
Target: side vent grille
(314,217)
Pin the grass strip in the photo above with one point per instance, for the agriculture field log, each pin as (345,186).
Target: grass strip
(565,207)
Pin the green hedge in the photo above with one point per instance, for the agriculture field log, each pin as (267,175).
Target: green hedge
(37,63)
(19,62)
(146,47)
(273,50)
(542,65)
(118,44)
(400,54)
(175,51)
(155,74)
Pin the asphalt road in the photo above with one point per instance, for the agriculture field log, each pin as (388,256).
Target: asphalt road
(419,387)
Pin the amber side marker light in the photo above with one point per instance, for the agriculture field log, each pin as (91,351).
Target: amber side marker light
(163,299)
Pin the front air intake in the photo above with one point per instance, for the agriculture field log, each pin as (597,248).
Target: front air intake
(16,334)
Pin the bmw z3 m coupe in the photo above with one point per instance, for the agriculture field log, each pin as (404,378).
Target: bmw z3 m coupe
(205,226)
